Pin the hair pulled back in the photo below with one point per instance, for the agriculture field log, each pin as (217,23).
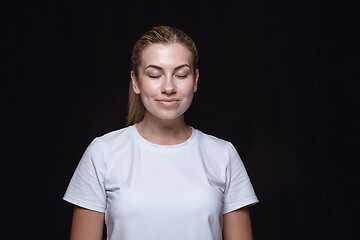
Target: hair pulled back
(159,34)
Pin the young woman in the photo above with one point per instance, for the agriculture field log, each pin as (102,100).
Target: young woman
(159,178)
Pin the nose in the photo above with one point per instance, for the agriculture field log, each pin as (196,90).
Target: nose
(168,86)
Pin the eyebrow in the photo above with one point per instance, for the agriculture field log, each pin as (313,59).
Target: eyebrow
(160,68)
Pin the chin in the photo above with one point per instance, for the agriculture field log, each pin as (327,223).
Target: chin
(168,116)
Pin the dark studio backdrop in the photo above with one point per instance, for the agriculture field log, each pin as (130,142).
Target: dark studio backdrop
(279,79)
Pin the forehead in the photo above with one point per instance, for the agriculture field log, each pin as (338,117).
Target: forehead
(166,55)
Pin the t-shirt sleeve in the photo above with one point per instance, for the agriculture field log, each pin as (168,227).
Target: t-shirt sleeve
(87,187)
(239,191)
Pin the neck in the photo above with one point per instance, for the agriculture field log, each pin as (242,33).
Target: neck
(164,132)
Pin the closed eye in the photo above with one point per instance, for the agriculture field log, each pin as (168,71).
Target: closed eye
(154,76)
(181,76)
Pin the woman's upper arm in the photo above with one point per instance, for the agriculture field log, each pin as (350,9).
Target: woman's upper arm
(87,224)
(237,225)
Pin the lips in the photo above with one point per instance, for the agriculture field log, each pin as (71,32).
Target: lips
(168,102)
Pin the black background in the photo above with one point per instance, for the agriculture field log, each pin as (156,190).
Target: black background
(279,79)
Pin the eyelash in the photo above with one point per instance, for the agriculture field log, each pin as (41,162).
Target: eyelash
(178,76)
(153,76)
(182,76)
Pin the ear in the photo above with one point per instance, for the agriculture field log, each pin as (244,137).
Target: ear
(196,79)
(134,82)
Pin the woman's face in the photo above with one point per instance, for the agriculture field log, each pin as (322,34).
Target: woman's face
(166,81)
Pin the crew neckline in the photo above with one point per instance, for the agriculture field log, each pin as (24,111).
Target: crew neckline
(142,139)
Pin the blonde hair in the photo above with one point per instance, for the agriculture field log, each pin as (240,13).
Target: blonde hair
(159,34)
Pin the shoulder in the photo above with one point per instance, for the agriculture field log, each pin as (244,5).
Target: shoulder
(214,143)
(117,134)
(122,134)
(113,140)
(210,139)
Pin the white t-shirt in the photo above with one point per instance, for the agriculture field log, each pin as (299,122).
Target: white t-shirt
(154,192)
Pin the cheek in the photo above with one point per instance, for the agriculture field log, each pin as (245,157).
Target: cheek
(148,89)
(188,90)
